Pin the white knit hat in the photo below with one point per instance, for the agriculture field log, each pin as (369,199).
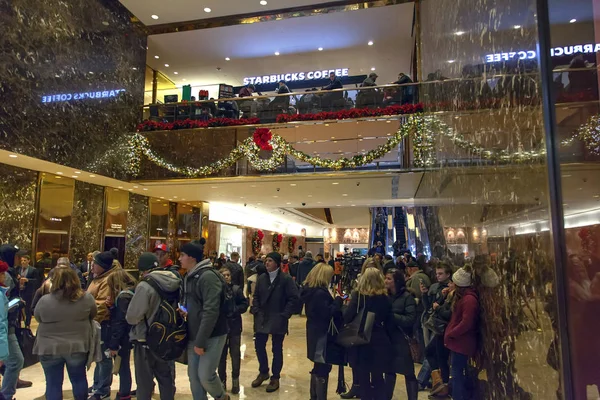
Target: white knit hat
(462,278)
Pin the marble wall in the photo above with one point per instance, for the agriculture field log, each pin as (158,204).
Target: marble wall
(18,189)
(172,230)
(87,220)
(137,236)
(78,48)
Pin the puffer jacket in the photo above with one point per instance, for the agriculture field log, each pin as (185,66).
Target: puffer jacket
(100,290)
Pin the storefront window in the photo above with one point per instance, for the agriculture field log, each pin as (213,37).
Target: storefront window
(115,221)
(54,221)
(230,239)
(159,222)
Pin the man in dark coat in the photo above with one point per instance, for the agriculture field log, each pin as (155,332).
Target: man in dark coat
(237,272)
(29,282)
(305,266)
(294,266)
(275,299)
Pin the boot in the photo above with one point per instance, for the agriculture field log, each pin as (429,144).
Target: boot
(412,389)
(313,387)
(321,387)
(390,384)
(235,386)
(443,391)
(436,378)
(353,393)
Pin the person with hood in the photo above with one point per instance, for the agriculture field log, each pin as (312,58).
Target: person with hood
(103,267)
(275,300)
(140,314)
(304,268)
(399,328)
(204,294)
(321,307)
(234,337)
(15,361)
(461,333)
(237,272)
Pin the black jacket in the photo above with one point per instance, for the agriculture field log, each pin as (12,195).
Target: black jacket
(320,309)
(402,319)
(234,322)
(274,303)
(294,269)
(434,295)
(33,283)
(305,266)
(119,328)
(237,273)
(374,356)
(335,84)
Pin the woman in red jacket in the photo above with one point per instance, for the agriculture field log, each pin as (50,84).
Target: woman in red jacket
(461,334)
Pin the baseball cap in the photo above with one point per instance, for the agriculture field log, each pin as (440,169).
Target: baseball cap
(162,247)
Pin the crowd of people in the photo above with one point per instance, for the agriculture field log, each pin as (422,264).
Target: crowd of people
(97,313)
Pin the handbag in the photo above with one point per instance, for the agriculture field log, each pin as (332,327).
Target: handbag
(435,324)
(26,341)
(327,350)
(358,331)
(413,344)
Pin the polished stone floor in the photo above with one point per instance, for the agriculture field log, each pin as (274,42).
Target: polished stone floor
(535,375)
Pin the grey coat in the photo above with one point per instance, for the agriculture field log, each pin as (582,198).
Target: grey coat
(64,325)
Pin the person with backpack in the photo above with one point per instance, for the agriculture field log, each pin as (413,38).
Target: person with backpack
(275,300)
(121,285)
(234,337)
(237,272)
(206,302)
(141,314)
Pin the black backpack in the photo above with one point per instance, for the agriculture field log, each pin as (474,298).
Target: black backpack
(227,296)
(167,335)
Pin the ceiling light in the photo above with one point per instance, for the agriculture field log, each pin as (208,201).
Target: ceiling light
(459,33)
(572,21)
(276,53)
(288,203)
(130,189)
(145,189)
(176,73)
(154,16)
(120,187)
(134,68)
(517,26)
(57,177)
(167,65)
(320,49)
(92,176)
(310,195)
(227,59)
(206,9)
(74,176)
(275,196)
(258,204)
(263,2)
(157,57)
(162,197)
(59,173)
(338,205)
(12,155)
(183,79)
(292,184)
(335,183)
(135,187)
(373,69)
(345,194)
(451,61)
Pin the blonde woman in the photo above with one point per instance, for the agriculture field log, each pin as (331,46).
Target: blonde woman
(371,263)
(369,361)
(321,310)
(64,316)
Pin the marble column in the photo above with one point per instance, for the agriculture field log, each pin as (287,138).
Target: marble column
(87,221)
(137,235)
(172,230)
(18,190)
(197,223)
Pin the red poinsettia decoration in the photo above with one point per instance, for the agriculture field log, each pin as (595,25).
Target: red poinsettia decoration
(291,244)
(257,238)
(277,239)
(262,137)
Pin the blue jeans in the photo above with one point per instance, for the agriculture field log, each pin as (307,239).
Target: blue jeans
(424,374)
(14,365)
(202,369)
(458,376)
(125,373)
(54,369)
(103,375)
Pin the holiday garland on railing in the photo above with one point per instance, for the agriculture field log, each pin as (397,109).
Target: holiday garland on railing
(257,238)
(277,239)
(424,128)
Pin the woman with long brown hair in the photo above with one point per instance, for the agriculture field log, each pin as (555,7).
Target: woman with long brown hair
(65,316)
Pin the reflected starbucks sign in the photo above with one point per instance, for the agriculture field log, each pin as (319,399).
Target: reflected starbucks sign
(98,94)
(295,76)
(554,52)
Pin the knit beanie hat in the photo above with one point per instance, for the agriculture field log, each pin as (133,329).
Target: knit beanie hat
(115,252)
(104,259)
(3,266)
(194,249)
(462,278)
(7,254)
(275,257)
(147,261)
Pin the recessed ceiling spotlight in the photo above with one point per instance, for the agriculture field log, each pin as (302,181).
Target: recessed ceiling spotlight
(517,26)
(120,187)
(74,176)
(335,183)
(292,184)
(370,43)
(183,79)
(263,2)
(57,177)
(176,73)
(12,155)
(345,194)
(135,187)
(373,69)
(572,21)
(451,61)
(276,53)
(320,49)
(167,65)
(145,189)
(157,57)
(227,59)
(154,16)
(459,33)
(206,9)
(59,173)
(134,68)
(92,176)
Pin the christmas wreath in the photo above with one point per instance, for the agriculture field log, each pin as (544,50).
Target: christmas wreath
(262,137)
(277,239)
(291,244)
(257,238)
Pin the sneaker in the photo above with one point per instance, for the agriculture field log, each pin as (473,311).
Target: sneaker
(23,384)
(259,380)
(273,385)
(99,397)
